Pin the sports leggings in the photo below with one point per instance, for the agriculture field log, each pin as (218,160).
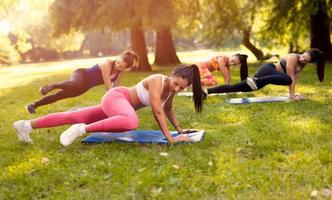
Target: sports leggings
(115,113)
(266,74)
(72,88)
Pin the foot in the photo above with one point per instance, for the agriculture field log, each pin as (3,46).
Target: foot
(70,135)
(31,108)
(22,132)
(205,93)
(252,83)
(46,89)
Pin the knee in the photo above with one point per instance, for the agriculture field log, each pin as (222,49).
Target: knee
(131,122)
(288,80)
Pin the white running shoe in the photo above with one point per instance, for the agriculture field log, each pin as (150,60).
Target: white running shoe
(252,83)
(22,132)
(70,135)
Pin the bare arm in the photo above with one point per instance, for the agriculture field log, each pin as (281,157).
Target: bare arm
(106,73)
(117,81)
(155,101)
(290,68)
(169,111)
(225,71)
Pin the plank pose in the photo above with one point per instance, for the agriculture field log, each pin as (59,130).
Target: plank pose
(84,79)
(117,111)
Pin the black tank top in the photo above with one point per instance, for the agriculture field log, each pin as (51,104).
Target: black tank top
(94,75)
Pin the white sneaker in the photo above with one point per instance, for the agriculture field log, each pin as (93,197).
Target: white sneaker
(252,84)
(70,135)
(22,132)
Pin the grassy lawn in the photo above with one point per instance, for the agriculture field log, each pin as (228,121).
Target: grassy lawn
(256,151)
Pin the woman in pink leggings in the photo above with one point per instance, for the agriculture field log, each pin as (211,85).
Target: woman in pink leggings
(117,111)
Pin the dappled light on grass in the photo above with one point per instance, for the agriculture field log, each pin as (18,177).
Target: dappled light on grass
(276,174)
(33,162)
(249,151)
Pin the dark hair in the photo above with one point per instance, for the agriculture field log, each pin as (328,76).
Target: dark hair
(130,58)
(191,73)
(244,65)
(318,57)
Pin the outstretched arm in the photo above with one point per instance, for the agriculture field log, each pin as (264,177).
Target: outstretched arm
(169,111)
(117,81)
(225,72)
(106,73)
(154,84)
(290,68)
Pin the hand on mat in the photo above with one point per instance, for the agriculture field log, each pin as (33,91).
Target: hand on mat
(186,131)
(182,138)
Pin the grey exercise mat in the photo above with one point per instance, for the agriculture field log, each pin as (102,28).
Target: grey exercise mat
(257,100)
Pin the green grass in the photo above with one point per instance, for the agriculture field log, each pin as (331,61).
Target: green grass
(255,151)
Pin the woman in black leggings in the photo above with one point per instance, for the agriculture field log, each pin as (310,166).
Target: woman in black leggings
(84,79)
(283,73)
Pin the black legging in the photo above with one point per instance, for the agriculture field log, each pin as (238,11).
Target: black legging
(72,88)
(266,74)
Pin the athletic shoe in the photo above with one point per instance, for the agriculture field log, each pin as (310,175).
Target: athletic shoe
(46,89)
(70,135)
(22,132)
(31,108)
(252,83)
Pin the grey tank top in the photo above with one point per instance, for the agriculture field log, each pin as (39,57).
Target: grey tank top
(283,64)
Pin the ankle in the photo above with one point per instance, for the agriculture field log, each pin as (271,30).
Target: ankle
(27,125)
(82,129)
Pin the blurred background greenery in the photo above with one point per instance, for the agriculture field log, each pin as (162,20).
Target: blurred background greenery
(44,30)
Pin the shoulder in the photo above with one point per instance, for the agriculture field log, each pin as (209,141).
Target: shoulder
(291,56)
(106,64)
(155,77)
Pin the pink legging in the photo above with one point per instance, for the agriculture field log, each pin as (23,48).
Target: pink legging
(115,113)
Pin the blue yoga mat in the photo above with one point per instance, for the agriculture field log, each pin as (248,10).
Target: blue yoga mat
(139,136)
(257,100)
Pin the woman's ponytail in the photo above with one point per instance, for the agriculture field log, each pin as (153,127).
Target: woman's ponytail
(198,93)
(321,67)
(191,73)
(318,57)
(244,66)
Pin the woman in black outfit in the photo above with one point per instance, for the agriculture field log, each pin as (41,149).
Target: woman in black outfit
(283,73)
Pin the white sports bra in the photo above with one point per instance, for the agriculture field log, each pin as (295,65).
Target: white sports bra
(143,93)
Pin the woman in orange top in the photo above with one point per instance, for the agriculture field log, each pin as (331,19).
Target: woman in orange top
(222,63)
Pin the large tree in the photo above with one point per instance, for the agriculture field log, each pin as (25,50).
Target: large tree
(162,16)
(223,19)
(86,15)
(303,23)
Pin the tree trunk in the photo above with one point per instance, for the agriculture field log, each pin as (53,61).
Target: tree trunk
(165,53)
(139,46)
(319,29)
(246,42)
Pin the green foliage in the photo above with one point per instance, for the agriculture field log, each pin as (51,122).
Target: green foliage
(189,22)
(289,22)
(22,44)
(255,151)
(8,53)
(117,15)
(222,20)
(6,6)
